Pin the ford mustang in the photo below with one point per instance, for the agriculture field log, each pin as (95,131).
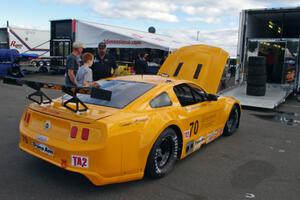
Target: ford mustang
(135,125)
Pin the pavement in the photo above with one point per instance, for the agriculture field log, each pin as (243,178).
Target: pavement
(260,161)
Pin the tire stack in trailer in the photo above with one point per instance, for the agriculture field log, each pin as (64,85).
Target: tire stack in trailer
(256,79)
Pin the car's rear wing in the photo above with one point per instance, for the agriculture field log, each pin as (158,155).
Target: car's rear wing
(96,93)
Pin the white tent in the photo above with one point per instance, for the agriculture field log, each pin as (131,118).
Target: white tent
(118,37)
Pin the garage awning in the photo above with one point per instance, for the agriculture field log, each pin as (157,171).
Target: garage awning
(118,37)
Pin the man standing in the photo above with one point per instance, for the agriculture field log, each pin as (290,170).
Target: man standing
(104,64)
(270,64)
(73,63)
(141,65)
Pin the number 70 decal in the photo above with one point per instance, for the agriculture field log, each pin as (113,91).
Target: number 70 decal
(194,127)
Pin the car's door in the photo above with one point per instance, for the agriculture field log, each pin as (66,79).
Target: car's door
(201,118)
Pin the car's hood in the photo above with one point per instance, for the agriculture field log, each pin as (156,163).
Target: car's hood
(201,64)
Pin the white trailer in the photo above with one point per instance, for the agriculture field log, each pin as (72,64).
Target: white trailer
(26,41)
(262,31)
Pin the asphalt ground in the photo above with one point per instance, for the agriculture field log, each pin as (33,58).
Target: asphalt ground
(260,161)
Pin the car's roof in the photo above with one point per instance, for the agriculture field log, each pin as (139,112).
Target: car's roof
(154,79)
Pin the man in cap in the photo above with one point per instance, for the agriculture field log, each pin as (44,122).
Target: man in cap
(141,64)
(104,64)
(73,63)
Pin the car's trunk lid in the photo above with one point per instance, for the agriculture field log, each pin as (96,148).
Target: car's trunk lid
(57,110)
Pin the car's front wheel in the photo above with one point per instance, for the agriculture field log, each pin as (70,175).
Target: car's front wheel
(163,154)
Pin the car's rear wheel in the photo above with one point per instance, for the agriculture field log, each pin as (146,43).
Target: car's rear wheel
(232,122)
(163,154)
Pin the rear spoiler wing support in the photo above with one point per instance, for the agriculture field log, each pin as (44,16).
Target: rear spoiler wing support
(38,93)
(96,93)
(74,99)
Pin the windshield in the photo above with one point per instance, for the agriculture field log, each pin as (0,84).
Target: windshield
(123,93)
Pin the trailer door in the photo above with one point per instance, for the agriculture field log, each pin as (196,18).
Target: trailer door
(60,49)
(297,85)
(291,64)
(4,38)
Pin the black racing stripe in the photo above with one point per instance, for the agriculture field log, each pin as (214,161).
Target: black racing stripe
(198,70)
(177,69)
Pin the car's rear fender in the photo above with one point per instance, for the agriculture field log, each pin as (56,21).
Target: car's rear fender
(230,102)
(138,132)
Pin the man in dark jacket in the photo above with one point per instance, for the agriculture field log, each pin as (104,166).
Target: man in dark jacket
(104,64)
(141,65)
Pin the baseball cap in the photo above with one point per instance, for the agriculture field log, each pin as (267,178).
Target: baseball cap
(77,45)
(101,45)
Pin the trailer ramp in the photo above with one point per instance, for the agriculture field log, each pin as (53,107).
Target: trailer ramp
(275,95)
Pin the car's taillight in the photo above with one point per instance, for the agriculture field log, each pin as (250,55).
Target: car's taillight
(27,117)
(85,134)
(74,130)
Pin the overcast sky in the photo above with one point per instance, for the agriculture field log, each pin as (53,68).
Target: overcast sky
(216,20)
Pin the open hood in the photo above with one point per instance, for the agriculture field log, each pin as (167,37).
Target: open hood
(201,64)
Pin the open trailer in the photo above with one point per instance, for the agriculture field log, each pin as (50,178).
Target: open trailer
(273,33)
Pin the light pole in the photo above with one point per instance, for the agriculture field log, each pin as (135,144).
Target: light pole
(198,32)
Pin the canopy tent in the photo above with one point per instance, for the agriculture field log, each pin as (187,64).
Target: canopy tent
(118,37)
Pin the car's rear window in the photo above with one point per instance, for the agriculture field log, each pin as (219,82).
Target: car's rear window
(123,93)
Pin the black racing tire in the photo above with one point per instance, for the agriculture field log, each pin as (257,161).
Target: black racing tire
(255,90)
(256,61)
(163,154)
(34,63)
(256,70)
(257,80)
(43,69)
(233,121)
(256,65)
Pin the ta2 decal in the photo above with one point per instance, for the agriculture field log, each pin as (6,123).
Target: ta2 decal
(79,161)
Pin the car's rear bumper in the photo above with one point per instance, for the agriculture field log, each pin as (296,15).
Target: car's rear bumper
(63,158)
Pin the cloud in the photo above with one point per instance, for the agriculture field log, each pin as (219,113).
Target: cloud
(187,13)
(218,8)
(133,9)
(208,20)
(224,38)
(204,11)
(72,2)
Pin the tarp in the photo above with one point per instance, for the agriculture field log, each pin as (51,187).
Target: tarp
(9,55)
(118,37)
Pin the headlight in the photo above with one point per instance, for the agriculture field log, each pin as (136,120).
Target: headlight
(48,63)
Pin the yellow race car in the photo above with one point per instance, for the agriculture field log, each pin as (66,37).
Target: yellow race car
(133,125)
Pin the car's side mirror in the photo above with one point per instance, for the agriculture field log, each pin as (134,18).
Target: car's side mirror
(211,97)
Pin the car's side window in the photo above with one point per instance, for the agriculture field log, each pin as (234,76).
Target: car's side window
(161,100)
(189,94)
(198,94)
